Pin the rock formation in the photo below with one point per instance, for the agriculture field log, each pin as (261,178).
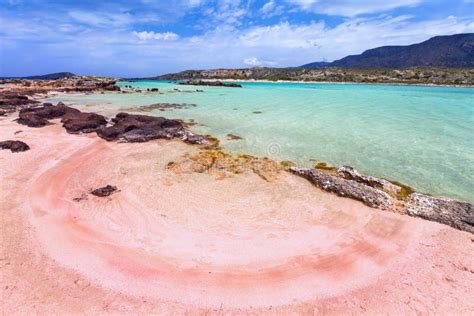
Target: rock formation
(104,191)
(383,194)
(370,196)
(457,214)
(74,121)
(210,83)
(14,145)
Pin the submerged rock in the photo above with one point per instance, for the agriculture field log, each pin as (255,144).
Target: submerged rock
(346,188)
(14,145)
(454,213)
(104,191)
(231,136)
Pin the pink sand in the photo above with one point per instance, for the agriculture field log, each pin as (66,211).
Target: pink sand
(172,242)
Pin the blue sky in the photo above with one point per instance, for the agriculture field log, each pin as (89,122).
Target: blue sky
(147,37)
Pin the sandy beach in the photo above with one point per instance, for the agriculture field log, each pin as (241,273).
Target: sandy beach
(175,241)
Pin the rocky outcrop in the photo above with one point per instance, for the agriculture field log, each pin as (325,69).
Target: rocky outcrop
(396,190)
(10,102)
(74,121)
(457,214)
(370,196)
(15,146)
(210,83)
(104,191)
(383,194)
(80,122)
(142,128)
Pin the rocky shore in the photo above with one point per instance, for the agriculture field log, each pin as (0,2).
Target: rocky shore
(380,193)
(132,128)
(162,226)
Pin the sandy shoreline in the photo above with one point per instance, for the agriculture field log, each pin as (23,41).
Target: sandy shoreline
(173,241)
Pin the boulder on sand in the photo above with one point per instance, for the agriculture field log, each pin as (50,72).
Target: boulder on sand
(73,120)
(14,145)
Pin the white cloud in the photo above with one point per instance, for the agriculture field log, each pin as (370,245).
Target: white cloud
(351,8)
(270,9)
(146,36)
(255,62)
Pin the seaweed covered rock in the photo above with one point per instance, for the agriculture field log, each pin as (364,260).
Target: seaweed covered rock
(346,188)
(14,145)
(454,213)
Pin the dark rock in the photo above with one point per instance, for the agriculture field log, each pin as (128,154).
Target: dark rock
(454,213)
(74,121)
(257,112)
(210,83)
(39,116)
(140,128)
(104,191)
(80,122)
(14,145)
(154,90)
(10,101)
(347,188)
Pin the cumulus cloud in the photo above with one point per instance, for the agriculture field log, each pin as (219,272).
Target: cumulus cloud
(255,62)
(146,36)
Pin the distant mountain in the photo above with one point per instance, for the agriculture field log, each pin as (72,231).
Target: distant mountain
(441,51)
(315,65)
(54,76)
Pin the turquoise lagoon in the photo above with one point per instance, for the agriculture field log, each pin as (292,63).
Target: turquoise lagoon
(421,136)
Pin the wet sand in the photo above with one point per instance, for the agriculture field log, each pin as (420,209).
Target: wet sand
(176,242)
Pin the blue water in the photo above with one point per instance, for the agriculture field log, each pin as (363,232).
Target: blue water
(421,136)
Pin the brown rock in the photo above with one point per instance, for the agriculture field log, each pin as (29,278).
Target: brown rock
(14,145)
(104,191)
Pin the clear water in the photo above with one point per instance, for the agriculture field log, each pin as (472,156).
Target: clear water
(421,136)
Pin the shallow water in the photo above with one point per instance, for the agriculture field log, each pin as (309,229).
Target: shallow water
(421,136)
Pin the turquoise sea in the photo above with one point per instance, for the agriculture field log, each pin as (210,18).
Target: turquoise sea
(421,136)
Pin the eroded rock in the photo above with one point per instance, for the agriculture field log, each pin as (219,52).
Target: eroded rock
(454,213)
(140,128)
(74,121)
(15,146)
(80,122)
(104,191)
(385,185)
(346,188)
